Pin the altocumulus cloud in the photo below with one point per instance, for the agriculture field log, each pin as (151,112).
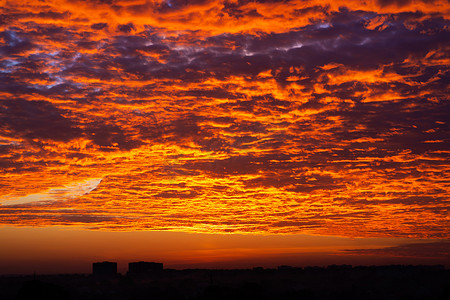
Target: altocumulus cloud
(227,116)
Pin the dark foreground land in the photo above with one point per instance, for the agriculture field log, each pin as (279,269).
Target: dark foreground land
(333,282)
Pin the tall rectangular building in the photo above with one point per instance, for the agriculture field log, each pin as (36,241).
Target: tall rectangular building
(105,268)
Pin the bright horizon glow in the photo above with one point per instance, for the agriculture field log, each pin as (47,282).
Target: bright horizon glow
(191,250)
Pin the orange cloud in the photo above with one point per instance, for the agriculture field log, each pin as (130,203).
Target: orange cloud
(227,116)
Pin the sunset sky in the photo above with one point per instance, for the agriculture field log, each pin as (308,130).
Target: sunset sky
(223,133)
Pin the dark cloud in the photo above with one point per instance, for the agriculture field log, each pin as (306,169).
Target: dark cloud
(244,164)
(13,43)
(36,120)
(126,28)
(417,200)
(304,224)
(422,250)
(295,182)
(70,218)
(53,15)
(186,127)
(111,137)
(99,26)
(382,119)
(177,194)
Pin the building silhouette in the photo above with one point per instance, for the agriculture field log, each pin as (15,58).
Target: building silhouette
(105,268)
(143,267)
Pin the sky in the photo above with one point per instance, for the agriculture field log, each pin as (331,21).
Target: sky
(223,133)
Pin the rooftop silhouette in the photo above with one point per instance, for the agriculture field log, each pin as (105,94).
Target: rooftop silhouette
(285,282)
(105,268)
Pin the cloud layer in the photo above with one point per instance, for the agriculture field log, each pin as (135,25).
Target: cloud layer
(228,116)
